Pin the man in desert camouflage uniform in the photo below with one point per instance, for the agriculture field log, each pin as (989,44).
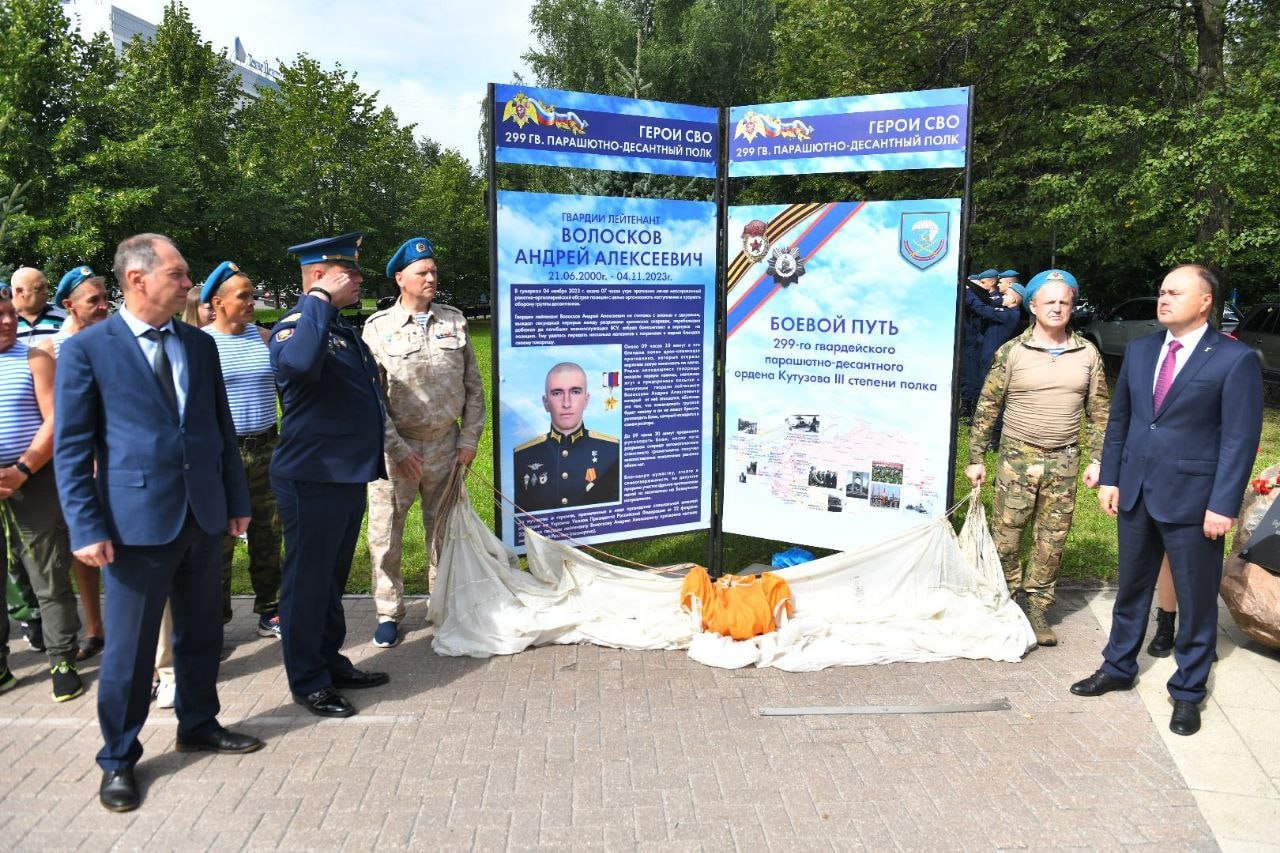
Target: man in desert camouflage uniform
(1045,380)
(430,380)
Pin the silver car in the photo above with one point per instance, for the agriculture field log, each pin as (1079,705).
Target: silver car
(1112,330)
(1260,329)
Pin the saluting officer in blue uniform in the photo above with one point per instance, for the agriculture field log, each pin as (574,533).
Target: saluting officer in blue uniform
(330,448)
(569,465)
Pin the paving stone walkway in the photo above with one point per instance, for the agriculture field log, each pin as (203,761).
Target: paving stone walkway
(589,748)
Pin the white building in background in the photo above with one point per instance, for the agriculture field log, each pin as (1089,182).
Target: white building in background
(100,16)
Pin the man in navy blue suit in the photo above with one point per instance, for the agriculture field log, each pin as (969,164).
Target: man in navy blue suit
(1185,422)
(150,479)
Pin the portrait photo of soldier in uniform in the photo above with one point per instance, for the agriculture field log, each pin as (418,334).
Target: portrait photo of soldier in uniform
(569,465)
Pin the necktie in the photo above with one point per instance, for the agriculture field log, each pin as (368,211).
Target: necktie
(1165,378)
(160,364)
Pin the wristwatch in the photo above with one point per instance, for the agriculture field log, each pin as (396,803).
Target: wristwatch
(22,466)
(327,295)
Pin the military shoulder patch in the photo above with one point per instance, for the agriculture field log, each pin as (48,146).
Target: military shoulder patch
(532,442)
(292,318)
(284,334)
(604,436)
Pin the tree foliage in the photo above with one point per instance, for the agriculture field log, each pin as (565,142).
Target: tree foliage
(1114,139)
(161,138)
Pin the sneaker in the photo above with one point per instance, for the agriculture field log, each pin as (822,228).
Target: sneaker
(166,693)
(387,635)
(269,626)
(66,681)
(33,633)
(8,680)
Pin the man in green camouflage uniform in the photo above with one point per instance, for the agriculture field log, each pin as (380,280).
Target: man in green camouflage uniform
(1044,380)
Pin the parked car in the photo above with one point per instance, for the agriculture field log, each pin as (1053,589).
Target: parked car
(1111,331)
(1260,329)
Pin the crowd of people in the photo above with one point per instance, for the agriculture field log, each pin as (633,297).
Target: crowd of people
(136,450)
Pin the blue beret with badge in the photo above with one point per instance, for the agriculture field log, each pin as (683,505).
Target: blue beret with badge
(345,247)
(1011,274)
(75,277)
(221,273)
(413,249)
(1055,276)
(989,273)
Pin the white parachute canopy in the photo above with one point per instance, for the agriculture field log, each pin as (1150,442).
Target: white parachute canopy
(924,595)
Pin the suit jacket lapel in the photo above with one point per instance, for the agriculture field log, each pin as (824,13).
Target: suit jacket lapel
(138,362)
(1196,361)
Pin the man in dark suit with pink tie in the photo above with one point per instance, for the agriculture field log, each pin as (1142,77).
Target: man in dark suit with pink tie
(1185,422)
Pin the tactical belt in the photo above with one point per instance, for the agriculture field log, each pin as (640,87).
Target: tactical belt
(1043,449)
(259,439)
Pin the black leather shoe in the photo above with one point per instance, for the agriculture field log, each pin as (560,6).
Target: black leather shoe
(356,679)
(1100,683)
(118,791)
(1186,717)
(219,740)
(326,702)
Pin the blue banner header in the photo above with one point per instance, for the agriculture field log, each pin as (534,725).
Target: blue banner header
(549,127)
(871,133)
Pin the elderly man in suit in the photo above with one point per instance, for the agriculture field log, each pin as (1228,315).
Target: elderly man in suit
(1185,422)
(150,479)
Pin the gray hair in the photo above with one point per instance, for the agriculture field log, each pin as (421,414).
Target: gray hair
(137,253)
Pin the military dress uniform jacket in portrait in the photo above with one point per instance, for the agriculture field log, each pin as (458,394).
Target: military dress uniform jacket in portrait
(429,376)
(331,429)
(555,471)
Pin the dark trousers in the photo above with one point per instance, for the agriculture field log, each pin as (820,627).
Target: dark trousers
(186,572)
(1196,564)
(39,540)
(321,524)
(264,533)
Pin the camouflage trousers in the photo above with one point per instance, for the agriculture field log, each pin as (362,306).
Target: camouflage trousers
(389,504)
(1040,482)
(264,533)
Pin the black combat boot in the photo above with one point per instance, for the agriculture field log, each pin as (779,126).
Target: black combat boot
(1162,643)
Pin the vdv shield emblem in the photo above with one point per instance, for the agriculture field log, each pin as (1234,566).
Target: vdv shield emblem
(923,238)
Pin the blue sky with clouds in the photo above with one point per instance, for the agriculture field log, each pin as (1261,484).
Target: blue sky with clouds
(429,61)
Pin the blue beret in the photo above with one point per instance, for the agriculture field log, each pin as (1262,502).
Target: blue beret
(221,273)
(6,292)
(414,249)
(974,277)
(989,273)
(1020,290)
(343,248)
(1051,277)
(1011,274)
(73,279)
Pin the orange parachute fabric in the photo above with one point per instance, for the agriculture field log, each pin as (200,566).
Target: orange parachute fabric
(738,607)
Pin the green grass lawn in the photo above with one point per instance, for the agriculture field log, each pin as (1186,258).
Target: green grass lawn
(1090,555)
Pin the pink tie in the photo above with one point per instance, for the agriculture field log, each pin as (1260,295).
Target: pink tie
(1165,379)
